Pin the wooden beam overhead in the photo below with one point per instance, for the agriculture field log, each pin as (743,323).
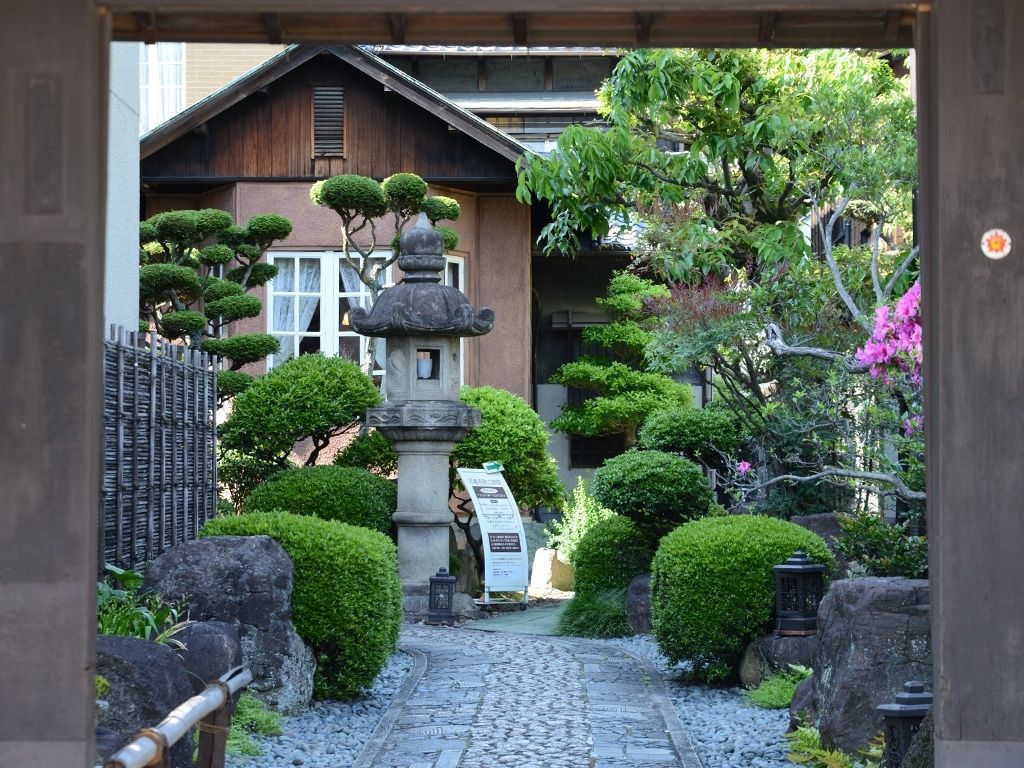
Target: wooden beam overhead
(766,29)
(396,21)
(146,21)
(643,29)
(520,29)
(892,26)
(275,31)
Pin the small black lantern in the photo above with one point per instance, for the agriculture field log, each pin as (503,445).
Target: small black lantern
(902,720)
(799,584)
(442,598)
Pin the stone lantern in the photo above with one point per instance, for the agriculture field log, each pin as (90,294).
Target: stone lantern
(423,417)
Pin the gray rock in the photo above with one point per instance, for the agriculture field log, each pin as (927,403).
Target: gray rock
(211,649)
(244,581)
(826,525)
(638,604)
(873,636)
(147,681)
(801,709)
(922,749)
(772,653)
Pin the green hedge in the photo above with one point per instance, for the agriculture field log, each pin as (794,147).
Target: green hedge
(371,451)
(657,490)
(713,588)
(344,494)
(346,601)
(699,434)
(610,554)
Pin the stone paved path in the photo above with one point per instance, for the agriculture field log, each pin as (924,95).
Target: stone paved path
(487,700)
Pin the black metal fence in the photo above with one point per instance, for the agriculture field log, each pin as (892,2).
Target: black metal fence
(159,446)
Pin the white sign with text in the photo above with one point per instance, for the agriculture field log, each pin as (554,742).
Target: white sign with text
(506,564)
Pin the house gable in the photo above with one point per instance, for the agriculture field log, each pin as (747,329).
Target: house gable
(261,126)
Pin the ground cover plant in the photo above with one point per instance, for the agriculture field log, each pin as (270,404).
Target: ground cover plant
(596,614)
(251,718)
(344,494)
(713,587)
(805,749)
(776,691)
(346,600)
(881,547)
(122,608)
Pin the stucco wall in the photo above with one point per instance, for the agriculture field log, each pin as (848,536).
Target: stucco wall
(121,273)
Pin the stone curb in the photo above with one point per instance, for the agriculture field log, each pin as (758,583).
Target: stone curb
(383,729)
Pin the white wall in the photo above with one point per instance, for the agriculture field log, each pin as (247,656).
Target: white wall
(121,283)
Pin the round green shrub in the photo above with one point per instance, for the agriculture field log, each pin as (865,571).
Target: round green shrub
(345,494)
(264,228)
(244,348)
(177,324)
(310,396)
(700,434)
(404,192)
(155,279)
(372,451)
(713,588)
(240,474)
(440,207)
(234,307)
(511,432)
(346,599)
(216,254)
(351,195)
(217,289)
(451,237)
(657,490)
(260,274)
(231,383)
(609,555)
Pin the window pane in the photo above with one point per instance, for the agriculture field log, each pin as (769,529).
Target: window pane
(309,313)
(284,314)
(309,344)
(309,276)
(348,278)
(285,279)
(287,349)
(348,348)
(344,305)
(454,278)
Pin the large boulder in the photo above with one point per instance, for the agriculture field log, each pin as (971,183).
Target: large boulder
(826,525)
(638,604)
(550,573)
(244,581)
(873,636)
(801,709)
(147,681)
(211,649)
(774,653)
(922,749)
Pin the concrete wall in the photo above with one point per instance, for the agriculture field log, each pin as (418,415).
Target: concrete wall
(121,276)
(210,66)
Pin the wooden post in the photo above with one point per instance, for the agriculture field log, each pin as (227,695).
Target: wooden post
(973,306)
(213,735)
(53,96)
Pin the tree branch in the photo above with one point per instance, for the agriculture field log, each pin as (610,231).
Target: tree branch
(904,265)
(900,488)
(876,242)
(775,342)
(833,267)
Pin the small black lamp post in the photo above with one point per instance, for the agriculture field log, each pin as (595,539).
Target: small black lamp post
(442,598)
(799,584)
(902,719)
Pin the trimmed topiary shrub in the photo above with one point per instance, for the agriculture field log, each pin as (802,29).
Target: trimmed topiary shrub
(713,588)
(372,451)
(610,554)
(658,491)
(347,599)
(344,494)
(239,474)
(699,434)
(511,432)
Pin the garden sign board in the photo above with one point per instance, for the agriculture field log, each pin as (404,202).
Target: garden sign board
(501,528)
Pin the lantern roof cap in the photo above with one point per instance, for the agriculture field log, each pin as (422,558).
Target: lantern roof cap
(800,563)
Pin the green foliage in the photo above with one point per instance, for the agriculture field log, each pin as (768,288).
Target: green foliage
(440,207)
(657,490)
(703,435)
(260,274)
(345,494)
(610,554)
(580,513)
(263,229)
(184,323)
(102,686)
(776,692)
(713,588)
(372,451)
(350,196)
(883,548)
(157,279)
(233,308)
(212,255)
(217,289)
(123,609)
(596,614)
(251,717)
(239,474)
(805,749)
(347,599)
(451,237)
(244,348)
(511,432)
(404,193)
(310,396)
(231,383)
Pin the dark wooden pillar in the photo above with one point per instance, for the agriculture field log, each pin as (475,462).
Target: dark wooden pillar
(53,84)
(974,314)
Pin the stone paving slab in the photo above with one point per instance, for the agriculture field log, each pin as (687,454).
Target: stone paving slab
(488,700)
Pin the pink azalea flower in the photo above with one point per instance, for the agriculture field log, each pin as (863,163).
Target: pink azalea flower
(743,467)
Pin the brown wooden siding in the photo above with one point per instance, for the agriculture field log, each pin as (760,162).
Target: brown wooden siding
(270,135)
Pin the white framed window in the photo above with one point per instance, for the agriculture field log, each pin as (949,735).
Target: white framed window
(161,83)
(455,276)
(309,300)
